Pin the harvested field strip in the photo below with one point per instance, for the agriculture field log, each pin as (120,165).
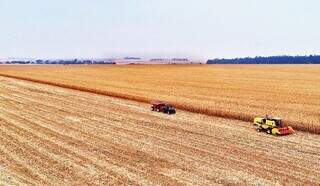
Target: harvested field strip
(70,140)
(26,139)
(198,142)
(298,125)
(130,139)
(95,111)
(123,160)
(58,150)
(112,141)
(201,110)
(22,172)
(80,88)
(208,162)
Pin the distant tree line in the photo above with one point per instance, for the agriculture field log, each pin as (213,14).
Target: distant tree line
(312,59)
(172,59)
(64,62)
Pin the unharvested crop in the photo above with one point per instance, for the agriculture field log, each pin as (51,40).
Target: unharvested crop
(232,91)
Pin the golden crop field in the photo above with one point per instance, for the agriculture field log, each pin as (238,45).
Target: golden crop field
(56,136)
(231,91)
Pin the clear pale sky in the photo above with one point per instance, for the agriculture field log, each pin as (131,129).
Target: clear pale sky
(158,28)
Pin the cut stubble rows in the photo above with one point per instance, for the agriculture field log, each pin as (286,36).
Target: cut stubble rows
(52,135)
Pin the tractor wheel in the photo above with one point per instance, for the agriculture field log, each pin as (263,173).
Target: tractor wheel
(269,131)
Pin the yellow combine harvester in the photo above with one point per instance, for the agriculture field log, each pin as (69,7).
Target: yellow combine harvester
(272,125)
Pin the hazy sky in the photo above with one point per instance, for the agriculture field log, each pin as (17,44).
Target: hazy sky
(159,28)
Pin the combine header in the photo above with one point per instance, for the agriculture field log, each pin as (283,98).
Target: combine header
(164,107)
(272,125)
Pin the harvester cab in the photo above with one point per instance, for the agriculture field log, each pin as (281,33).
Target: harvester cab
(272,125)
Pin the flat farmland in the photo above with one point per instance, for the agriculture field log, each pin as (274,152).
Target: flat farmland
(55,136)
(242,92)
